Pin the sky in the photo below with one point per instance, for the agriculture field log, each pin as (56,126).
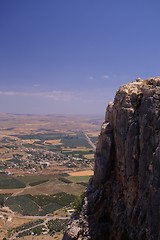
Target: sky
(70,56)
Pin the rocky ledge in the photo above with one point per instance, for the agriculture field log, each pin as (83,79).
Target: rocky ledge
(123,198)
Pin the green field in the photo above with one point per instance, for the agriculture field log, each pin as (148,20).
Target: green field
(67,140)
(27,145)
(78,179)
(37,178)
(78,140)
(9,182)
(94,139)
(54,226)
(42,137)
(28,204)
(39,205)
(22,204)
(37,182)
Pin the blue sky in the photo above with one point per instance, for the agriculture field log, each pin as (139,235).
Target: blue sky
(70,56)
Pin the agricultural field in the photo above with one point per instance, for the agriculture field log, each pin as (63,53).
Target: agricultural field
(38,205)
(45,164)
(57,141)
(34,201)
(7,182)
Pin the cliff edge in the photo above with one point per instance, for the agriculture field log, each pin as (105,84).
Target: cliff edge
(123,198)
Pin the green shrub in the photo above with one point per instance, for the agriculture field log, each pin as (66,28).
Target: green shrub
(78,203)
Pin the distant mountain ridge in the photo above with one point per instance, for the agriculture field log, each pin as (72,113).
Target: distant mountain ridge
(123,197)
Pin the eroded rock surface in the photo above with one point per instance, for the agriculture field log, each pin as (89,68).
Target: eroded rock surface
(123,197)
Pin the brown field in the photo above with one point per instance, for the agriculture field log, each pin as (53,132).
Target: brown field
(77,149)
(30,141)
(93,134)
(2,150)
(29,123)
(19,221)
(6,191)
(54,142)
(50,188)
(72,134)
(5,158)
(81,173)
(57,236)
(89,156)
(7,154)
(11,222)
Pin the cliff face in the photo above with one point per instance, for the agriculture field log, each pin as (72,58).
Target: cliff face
(123,197)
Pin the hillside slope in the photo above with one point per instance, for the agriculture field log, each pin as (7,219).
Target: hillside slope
(123,197)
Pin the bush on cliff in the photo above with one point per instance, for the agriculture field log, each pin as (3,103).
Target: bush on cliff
(78,203)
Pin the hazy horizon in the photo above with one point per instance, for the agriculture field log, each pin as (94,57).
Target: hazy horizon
(70,57)
(55,115)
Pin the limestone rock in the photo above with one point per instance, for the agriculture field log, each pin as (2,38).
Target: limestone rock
(123,197)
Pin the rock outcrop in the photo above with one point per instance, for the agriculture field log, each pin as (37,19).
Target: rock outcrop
(123,197)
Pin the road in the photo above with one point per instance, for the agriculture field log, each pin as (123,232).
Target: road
(9,213)
(21,191)
(89,141)
(39,224)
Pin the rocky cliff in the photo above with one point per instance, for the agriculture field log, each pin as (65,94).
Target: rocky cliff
(123,197)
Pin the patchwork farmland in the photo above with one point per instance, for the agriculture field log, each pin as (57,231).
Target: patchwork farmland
(45,163)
